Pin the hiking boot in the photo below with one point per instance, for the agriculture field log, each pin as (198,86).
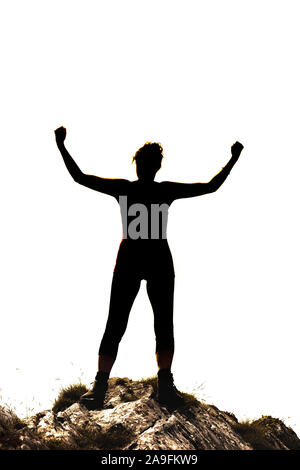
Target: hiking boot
(167,393)
(94,398)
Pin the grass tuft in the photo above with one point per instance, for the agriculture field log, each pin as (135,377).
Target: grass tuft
(149,381)
(9,436)
(93,438)
(189,399)
(255,432)
(68,396)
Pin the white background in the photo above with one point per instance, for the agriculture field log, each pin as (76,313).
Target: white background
(195,76)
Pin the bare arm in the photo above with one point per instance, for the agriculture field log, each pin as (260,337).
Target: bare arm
(183,190)
(219,179)
(104,185)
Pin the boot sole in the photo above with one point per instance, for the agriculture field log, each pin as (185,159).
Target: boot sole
(168,403)
(91,405)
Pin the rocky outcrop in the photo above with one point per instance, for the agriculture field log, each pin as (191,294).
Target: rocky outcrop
(133,419)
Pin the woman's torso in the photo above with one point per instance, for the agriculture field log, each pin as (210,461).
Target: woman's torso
(144,250)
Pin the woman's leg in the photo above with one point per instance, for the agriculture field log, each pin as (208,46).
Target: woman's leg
(161,294)
(164,359)
(105,363)
(123,292)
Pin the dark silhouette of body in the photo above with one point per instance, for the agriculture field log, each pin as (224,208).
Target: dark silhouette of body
(142,256)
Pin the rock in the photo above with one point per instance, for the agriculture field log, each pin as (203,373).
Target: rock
(132,419)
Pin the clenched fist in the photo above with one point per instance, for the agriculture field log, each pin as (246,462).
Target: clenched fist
(60,134)
(236,149)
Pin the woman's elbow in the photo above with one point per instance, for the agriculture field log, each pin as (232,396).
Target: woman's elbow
(212,187)
(78,177)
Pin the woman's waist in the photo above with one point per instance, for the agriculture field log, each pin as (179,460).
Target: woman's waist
(145,241)
(145,248)
(145,256)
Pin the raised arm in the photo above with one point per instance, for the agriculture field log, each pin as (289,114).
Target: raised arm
(219,179)
(113,187)
(183,190)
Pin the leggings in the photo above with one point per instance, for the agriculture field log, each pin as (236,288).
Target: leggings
(141,259)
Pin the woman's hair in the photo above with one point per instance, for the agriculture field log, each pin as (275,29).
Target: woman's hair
(151,155)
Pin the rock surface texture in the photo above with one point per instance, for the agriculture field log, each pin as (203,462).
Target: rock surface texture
(133,419)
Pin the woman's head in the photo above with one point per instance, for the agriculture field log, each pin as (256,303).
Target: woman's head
(148,160)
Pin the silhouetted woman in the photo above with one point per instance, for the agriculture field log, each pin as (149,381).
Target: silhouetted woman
(143,254)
